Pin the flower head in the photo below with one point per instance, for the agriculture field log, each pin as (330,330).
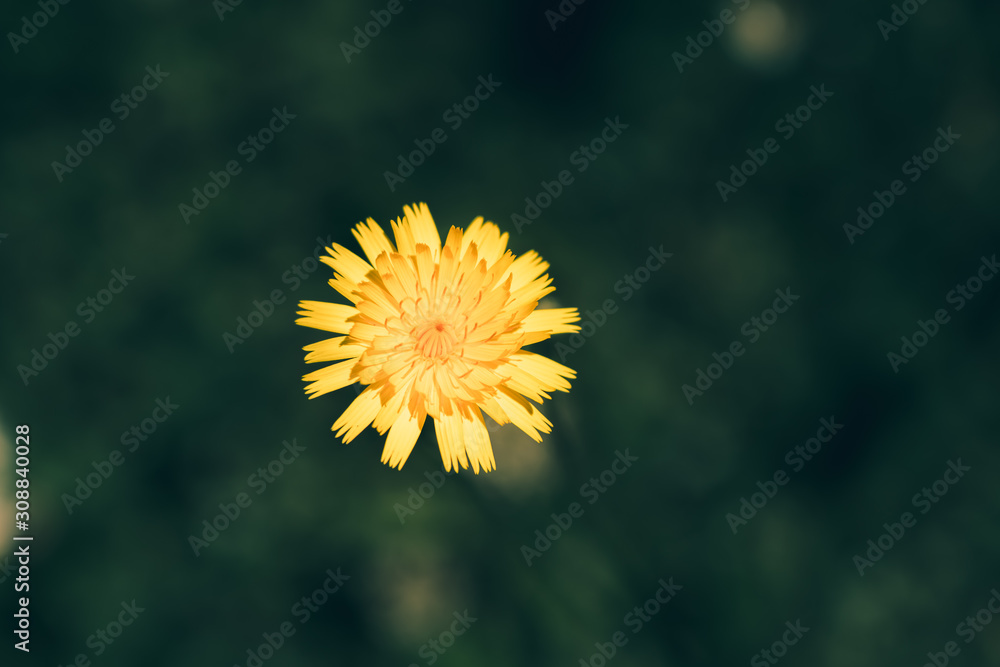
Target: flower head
(437,331)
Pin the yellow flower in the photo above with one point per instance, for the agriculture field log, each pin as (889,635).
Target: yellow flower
(437,331)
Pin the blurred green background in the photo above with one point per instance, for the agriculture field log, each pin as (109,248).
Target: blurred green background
(336,506)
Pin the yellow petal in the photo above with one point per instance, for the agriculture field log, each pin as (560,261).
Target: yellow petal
(358,415)
(527,268)
(398,276)
(332,349)
(492,244)
(326,316)
(550,374)
(477,441)
(393,405)
(422,228)
(331,378)
(425,267)
(451,440)
(523,414)
(346,263)
(372,240)
(401,439)
(533,375)
(551,321)
(450,257)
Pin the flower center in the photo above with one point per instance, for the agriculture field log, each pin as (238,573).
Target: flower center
(435,339)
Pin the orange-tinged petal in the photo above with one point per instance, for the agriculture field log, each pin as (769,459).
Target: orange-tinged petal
(492,244)
(422,227)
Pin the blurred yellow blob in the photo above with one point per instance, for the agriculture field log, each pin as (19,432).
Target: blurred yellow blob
(765,35)
(529,466)
(414,589)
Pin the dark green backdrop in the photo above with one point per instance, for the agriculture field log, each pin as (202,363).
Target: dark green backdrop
(404,576)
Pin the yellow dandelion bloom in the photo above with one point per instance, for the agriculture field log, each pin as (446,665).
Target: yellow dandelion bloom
(437,331)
